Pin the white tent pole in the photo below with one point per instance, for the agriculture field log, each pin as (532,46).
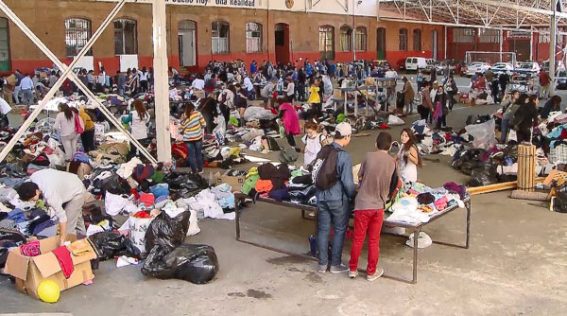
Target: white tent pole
(552,43)
(161,84)
(51,93)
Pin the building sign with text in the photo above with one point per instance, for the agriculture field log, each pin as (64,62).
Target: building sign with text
(220,3)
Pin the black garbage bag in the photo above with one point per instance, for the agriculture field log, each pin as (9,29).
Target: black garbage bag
(190,182)
(560,203)
(9,238)
(113,184)
(194,263)
(108,245)
(167,231)
(483,175)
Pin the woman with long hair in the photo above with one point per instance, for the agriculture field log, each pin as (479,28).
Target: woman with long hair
(525,118)
(408,157)
(139,119)
(193,128)
(440,109)
(65,125)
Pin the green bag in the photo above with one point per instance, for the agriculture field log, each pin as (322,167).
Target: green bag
(249,183)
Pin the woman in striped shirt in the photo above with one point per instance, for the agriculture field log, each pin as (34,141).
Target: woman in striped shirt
(193,129)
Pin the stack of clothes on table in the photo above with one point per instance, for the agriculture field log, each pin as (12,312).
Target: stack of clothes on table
(416,203)
(280,183)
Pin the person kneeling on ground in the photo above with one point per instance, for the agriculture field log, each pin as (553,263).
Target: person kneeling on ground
(63,192)
(375,175)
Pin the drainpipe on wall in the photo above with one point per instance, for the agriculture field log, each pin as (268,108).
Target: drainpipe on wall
(353,34)
(268,24)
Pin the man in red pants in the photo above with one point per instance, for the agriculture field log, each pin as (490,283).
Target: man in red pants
(375,176)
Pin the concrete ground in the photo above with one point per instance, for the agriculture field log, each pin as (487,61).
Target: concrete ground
(516,265)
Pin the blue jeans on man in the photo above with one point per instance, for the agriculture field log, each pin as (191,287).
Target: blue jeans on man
(335,213)
(195,149)
(27,97)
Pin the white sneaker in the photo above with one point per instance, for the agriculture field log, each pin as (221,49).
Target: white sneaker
(352,274)
(373,277)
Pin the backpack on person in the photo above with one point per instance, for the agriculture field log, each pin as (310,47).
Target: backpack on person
(324,173)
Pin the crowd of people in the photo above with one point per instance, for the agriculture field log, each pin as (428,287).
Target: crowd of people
(209,101)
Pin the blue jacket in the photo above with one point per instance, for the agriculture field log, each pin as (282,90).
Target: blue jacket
(345,186)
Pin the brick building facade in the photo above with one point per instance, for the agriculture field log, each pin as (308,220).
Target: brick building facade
(197,34)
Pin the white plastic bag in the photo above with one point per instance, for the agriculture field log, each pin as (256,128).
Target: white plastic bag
(138,228)
(394,120)
(484,136)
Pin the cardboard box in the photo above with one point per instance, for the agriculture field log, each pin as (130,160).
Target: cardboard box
(30,271)
(234,182)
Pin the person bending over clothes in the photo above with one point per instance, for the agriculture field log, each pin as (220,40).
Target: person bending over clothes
(290,120)
(63,192)
(552,104)
(375,176)
(525,118)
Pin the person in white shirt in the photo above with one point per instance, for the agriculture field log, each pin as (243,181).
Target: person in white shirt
(138,125)
(26,89)
(65,125)
(198,83)
(312,140)
(266,93)
(101,79)
(63,192)
(290,90)
(143,74)
(249,87)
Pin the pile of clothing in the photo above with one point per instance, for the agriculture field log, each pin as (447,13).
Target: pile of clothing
(280,183)
(29,219)
(416,203)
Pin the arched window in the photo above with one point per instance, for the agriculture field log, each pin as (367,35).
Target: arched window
(125,37)
(416,40)
(346,39)
(327,42)
(253,37)
(77,34)
(5,64)
(220,35)
(403,39)
(361,39)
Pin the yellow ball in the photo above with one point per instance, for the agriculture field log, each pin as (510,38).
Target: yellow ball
(48,291)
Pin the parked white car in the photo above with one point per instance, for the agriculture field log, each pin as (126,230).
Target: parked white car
(529,66)
(477,67)
(416,63)
(499,68)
